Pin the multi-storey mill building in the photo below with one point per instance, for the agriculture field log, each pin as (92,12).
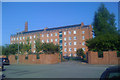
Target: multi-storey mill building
(70,38)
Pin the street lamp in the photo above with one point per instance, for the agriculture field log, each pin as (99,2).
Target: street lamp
(18,48)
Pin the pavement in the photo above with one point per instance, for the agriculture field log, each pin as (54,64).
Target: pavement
(68,69)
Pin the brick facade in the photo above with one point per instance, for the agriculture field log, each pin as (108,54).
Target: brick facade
(32,59)
(109,57)
(71,35)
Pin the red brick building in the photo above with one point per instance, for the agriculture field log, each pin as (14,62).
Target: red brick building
(70,38)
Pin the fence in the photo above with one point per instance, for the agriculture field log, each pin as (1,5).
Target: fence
(36,59)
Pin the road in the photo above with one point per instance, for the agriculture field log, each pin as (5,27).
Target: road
(70,69)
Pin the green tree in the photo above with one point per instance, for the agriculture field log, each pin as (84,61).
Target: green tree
(80,52)
(50,48)
(38,45)
(104,22)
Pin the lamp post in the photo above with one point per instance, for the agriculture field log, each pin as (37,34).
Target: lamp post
(18,48)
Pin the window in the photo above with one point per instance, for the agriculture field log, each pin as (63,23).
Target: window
(51,40)
(47,35)
(42,35)
(24,38)
(51,34)
(75,49)
(30,37)
(83,32)
(75,55)
(34,36)
(74,43)
(65,39)
(69,43)
(23,42)
(42,41)
(83,49)
(20,38)
(64,33)
(34,41)
(83,37)
(30,42)
(65,50)
(34,46)
(65,44)
(34,51)
(69,32)
(17,38)
(12,39)
(20,42)
(55,34)
(70,38)
(75,37)
(74,32)
(83,43)
(70,49)
(100,54)
(55,40)
(47,40)
(60,44)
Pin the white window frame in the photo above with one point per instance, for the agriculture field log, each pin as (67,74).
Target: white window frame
(65,49)
(83,43)
(47,40)
(83,32)
(64,33)
(70,38)
(55,34)
(83,49)
(51,34)
(56,40)
(75,43)
(47,35)
(42,41)
(83,37)
(34,36)
(75,49)
(42,35)
(69,32)
(51,40)
(75,38)
(65,39)
(65,44)
(70,43)
(70,49)
(74,31)
(34,41)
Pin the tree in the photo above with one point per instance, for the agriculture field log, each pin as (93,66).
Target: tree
(104,43)
(50,48)
(104,22)
(80,52)
(38,45)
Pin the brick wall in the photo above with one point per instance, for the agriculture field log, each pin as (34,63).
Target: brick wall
(109,57)
(32,59)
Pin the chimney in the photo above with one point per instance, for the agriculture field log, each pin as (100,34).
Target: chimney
(82,23)
(26,26)
(45,28)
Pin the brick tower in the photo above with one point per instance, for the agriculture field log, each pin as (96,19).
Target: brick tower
(26,26)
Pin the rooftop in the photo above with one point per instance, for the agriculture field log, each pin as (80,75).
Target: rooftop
(56,28)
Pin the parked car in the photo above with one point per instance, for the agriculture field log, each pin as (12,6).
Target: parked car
(5,61)
(111,73)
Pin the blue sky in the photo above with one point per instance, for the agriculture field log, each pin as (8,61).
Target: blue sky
(48,14)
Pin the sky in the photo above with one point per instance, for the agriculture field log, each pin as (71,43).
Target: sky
(48,14)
